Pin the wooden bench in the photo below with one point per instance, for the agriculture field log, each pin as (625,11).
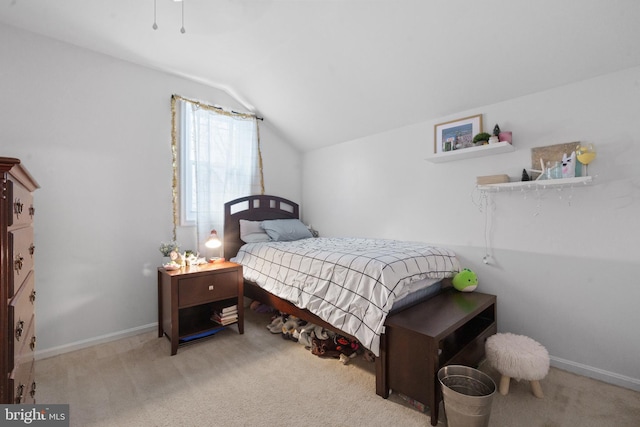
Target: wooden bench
(449,329)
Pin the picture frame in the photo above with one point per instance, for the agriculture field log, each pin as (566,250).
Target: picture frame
(456,134)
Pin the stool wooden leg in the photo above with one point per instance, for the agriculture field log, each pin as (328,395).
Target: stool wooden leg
(504,385)
(536,389)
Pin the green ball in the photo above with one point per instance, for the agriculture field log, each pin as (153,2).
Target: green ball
(465,281)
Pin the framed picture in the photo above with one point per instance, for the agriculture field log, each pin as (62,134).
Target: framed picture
(456,134)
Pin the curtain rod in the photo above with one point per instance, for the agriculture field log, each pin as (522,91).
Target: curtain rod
(202,104)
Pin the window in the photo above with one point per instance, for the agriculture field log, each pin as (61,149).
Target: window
(217,156)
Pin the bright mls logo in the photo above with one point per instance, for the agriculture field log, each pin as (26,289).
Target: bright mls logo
(34,415)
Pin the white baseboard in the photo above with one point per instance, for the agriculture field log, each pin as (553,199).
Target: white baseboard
(55,351)
(595,373)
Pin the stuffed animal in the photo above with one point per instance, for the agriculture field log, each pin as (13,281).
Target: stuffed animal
(465,281)
(569,165)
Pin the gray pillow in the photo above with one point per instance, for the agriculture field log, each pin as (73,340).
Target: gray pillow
(252,232)
(286,230)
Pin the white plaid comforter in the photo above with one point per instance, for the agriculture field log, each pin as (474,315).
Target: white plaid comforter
(350,283)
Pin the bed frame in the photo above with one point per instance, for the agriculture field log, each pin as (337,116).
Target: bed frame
(258,208)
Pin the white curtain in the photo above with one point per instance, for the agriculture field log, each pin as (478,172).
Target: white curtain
(224,162)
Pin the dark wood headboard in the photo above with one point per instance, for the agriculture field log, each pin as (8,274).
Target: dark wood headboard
(252,208)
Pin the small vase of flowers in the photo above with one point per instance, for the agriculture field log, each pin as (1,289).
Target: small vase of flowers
(166,249)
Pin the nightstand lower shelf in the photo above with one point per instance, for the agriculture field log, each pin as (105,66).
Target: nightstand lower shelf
(195,323)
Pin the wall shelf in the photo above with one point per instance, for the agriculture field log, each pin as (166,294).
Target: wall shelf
(471,152)
(540,184)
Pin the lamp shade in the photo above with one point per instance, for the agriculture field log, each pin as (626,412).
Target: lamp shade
(213,241)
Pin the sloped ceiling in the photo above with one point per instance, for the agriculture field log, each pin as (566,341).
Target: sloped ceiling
(328,71)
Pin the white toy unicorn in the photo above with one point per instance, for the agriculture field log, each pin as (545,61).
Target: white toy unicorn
(569,165)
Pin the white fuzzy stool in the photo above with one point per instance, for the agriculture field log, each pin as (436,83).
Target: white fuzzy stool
(518,357)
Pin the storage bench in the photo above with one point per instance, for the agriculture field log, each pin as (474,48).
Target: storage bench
(449,329)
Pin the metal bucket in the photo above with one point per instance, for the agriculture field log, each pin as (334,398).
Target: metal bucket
(467,395)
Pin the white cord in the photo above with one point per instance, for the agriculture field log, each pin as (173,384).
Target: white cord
(155,25)
(182,30)
(485,205)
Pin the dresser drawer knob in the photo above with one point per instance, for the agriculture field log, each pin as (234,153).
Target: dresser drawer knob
(32,296)
(32,344)
(18,262)
(32,249)
(19,329)
(32,211)
(33,389)
(210,287)
(17,207)
(19,393)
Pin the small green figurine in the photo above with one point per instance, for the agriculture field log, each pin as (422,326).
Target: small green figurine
(496,130)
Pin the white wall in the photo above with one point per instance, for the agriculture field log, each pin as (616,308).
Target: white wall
(95,133)
(564,263)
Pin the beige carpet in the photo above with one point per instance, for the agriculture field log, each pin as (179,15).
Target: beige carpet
(260,379)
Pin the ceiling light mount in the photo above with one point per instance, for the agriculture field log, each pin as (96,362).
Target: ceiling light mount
(155,15)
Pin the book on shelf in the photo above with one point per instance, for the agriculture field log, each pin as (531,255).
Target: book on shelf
(225,315)
(230,309)
(226,320)
(219,313)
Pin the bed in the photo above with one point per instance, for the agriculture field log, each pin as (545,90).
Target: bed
(264,207)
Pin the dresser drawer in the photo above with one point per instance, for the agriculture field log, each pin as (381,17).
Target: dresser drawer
(21,313)
(22,209)
(23,384)
(25,352)
(211,287)
(21,253)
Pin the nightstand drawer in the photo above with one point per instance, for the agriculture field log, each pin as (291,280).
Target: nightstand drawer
(211,287)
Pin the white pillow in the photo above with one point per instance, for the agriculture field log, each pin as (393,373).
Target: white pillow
(286,230)
(252,232)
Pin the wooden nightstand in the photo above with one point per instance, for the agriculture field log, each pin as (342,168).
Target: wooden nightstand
(188,297)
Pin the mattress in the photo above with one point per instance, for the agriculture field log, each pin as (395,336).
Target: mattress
(351,283)
(422,290)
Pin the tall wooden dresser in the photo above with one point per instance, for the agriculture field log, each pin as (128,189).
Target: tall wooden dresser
(17,290)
